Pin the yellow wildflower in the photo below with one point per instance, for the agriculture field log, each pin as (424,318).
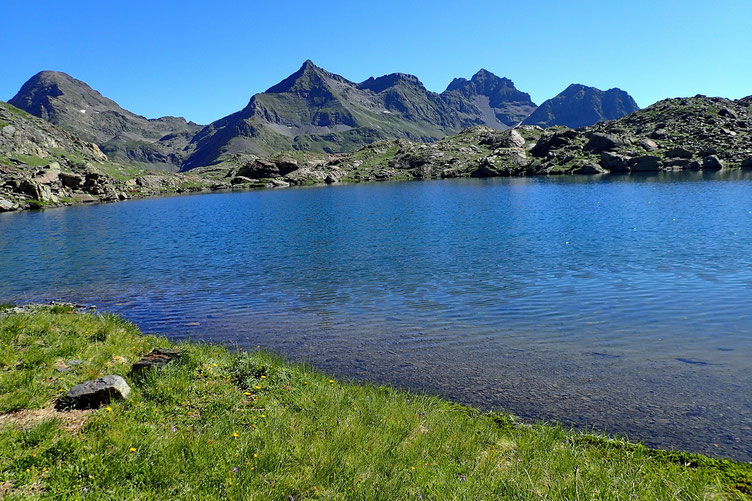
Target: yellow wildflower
(133,449)
(108,408)
(235,435)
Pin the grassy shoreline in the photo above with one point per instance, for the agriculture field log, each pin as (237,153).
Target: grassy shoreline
(221,424)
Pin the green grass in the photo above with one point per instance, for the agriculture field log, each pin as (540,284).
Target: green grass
(31,160)
(226,425)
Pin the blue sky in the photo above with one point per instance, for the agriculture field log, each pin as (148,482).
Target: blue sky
(204,60)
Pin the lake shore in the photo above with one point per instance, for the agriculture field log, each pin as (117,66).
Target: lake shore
(219,423)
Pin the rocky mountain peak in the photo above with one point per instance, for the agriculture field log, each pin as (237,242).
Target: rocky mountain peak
(308,77)
(579,106)
(382,83)
(495,100)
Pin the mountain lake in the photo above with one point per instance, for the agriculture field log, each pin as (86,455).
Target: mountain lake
(620,304)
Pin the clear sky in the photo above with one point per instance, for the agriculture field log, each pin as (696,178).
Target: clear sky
(204,59)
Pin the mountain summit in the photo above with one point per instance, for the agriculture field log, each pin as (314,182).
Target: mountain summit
(124,136)
(495,101)
(579,106)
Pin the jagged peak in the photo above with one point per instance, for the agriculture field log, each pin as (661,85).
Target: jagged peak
(314,74)
(379,84)
(481,77)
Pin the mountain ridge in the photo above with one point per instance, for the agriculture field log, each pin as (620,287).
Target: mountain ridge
(310,110)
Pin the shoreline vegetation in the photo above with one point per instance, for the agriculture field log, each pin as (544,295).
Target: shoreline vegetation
(223,424)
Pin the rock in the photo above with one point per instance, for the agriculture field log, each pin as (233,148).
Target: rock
(40,192)
(94,393)
(48,175)
(241,180)
(712,162)
(122,196)
(7,205)
(277,183)
(516,139)
(155,359)
(676,163)
(8,131)
(726,112)
(646,163)
(679,152)
(286,165)
(329,179)
(648,145)
(555,141)
(614,162)
(83,198)
(590,168)
(150,182)
(71,180)
(603,142)
(659,134)
(747,163)
(259,169)
(694,165)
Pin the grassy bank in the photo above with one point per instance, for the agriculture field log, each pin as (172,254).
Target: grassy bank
(220,424)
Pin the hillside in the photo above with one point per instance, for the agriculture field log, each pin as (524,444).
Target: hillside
(42,165)
(124,136)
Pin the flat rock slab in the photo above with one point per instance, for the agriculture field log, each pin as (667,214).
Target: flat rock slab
(94,393)
(156,359)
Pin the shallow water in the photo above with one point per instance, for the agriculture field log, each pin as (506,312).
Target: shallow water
(621,303)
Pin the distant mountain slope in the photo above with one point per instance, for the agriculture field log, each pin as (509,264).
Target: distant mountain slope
(123,136)
(580,106)
(489,100)
(315,110)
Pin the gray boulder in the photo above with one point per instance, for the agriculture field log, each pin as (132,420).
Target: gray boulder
(712,162)
(747,163)
(604,142)
(679,152)
(646,163)
(590,168)
(71,180)
(94,393)
(7,205)
(648,145)
(614,162)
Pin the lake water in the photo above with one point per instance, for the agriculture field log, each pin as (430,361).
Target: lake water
(621,303)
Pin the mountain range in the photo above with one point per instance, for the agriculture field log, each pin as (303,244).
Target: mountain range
(311,110)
